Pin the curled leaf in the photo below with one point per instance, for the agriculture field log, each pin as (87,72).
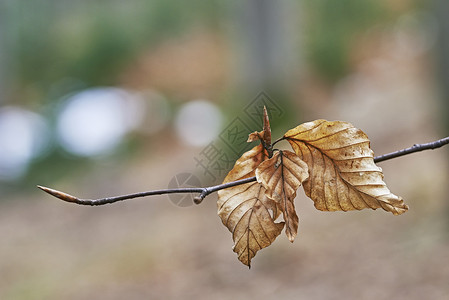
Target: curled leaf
(281,176)
(246,211)
(343,175)
(265,135)
(266,128)
(255,136)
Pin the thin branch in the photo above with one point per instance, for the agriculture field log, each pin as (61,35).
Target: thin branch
(414,148)
(69,198)
(203,192)
(209,190)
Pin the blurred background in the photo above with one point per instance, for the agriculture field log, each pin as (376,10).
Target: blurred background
(102,98)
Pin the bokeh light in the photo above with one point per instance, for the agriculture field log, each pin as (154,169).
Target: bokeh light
(93,122)
(24,135)
(198,123)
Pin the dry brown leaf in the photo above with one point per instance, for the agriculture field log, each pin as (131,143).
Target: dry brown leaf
(266,128)
(265,135)
(342,172)
(246,211)
(281,176)
(255,136)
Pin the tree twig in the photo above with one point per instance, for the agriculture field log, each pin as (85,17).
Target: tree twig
(203,192)
(94,202)
(414,148)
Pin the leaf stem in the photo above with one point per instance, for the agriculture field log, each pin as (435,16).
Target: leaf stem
(205,191)
(277,141)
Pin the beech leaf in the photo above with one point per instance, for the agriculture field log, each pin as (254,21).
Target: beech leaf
(342,172)
(245,209)
(281,176)
(265,135)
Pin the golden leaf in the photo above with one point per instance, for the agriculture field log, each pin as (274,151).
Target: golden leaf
(342,172)
(245,209)
(281,176)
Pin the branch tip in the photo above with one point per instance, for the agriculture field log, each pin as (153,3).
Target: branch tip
(58,194)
